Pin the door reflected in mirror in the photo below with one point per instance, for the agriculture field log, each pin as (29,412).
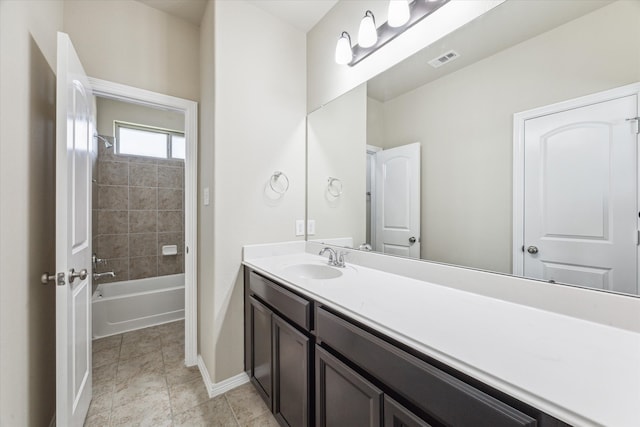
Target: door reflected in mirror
(515,174)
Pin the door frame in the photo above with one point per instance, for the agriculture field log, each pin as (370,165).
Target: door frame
(120,92)
(371,159)
(519,120)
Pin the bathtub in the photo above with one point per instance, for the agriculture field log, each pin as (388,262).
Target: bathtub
(125,306)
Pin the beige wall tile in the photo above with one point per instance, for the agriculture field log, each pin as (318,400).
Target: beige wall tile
(170,199)
(143,174)
(141,244)
(113,197)
(171,162)
(170,221)
(113,246)
(143,221)
(113,173)
(112,222)
(142,159)
(142,267)
(170,177)
(143,198)
(171,264)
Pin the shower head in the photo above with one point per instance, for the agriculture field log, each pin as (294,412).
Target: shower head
(105,140)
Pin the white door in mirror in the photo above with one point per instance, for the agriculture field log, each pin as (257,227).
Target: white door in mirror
(75,120)
(397,201)
(580,196)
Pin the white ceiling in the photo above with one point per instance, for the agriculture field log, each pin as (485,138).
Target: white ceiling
(507,25)
(189,10)
(302,14)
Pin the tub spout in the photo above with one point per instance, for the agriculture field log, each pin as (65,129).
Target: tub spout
(97,276)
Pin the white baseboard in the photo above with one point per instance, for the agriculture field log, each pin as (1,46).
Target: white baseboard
(215,389)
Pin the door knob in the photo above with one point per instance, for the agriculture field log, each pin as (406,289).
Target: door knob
(412,239)
(82,274)
(532,250)
(46,278)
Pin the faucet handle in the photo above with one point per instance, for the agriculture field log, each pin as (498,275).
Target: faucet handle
(365,247)
(340,260)
(97,261)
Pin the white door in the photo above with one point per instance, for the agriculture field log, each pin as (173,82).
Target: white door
(75,122)
(397,201)
(580,196)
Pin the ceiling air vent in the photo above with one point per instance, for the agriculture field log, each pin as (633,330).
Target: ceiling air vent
(444,58)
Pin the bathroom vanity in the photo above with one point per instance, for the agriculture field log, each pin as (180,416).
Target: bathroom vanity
(361,346)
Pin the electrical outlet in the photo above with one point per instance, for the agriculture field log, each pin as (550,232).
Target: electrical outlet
(300,227)
(205,196)
(311,227)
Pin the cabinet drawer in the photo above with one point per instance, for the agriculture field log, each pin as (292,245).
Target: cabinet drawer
(290,305)
(445,398)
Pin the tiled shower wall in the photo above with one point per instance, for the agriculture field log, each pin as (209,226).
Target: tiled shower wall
(140,208)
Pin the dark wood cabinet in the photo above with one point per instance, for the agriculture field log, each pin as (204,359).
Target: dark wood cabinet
(291,356)
(344,398)
(260,370)
(396,415)
(278,348)
(315,366)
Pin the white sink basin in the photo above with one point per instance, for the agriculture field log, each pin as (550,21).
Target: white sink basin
(311,271)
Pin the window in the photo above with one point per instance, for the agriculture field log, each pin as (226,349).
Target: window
(138,140)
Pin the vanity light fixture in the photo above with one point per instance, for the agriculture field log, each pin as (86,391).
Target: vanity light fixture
(344,54)
(403,14)
(398,13)
(367,34)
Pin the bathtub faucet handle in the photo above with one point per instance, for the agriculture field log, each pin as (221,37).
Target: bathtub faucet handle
(97,261)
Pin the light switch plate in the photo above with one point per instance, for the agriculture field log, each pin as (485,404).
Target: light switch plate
(300,227)
(205,196)
(311,227)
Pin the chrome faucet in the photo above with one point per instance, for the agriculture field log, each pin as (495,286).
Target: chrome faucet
(335,259)
(97,276)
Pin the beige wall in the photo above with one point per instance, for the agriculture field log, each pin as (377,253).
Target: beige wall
(465,121)
(336,142)
(125,41)
(109,110)
(328,80)
(27,226)
(259,128)
(206,342)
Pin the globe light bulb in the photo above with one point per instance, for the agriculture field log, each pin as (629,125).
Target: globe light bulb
(368,34)
(398,13)
(344,55)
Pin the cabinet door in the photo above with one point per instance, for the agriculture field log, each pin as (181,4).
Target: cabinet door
(261,350)
(290,374)
(396,415)
(344,398)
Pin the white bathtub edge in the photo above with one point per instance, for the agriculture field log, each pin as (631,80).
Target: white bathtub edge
(216,389)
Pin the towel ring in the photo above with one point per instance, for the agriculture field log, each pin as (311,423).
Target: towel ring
(334,187)
(279,182)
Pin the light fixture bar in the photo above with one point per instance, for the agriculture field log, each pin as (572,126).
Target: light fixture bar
(418,10)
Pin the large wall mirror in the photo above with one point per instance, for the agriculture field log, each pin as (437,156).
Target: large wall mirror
(432,162)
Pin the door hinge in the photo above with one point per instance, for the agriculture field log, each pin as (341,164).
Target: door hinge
(638,238)
(637,120)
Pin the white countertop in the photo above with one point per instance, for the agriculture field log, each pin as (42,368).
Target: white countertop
(581,372)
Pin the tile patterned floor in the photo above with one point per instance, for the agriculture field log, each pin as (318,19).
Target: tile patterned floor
(139,379)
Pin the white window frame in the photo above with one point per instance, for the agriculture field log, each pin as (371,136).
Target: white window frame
(169,133)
